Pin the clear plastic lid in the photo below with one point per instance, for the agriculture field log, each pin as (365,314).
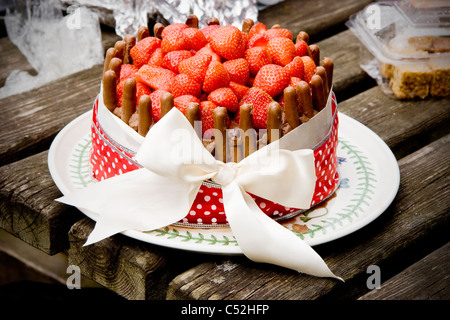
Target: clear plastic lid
(404,31)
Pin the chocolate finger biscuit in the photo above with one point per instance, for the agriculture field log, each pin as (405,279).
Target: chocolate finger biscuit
(220,118)
(130,41)
(273,122)
(193,112)
(128,99)
(304,99)
(166,103)
(142,33)
(291,107)
(110,53)
(249,139)
(145,114)
(192,21)
(109,90)
(328,64)
(317,92)
(247,24)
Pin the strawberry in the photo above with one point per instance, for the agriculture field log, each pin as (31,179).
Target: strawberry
(141,89)
(206,108)
(224,97)
(250,82)
(119,92)
(295,68)
(258,40)
(309,67)
(127,71)
(175,40)
(195,66)
(183,84)
(208,30)
(238,69)
(257,28)
(216,77)
(142,51)
(196,38)
(182,102)
(227,42)
(245,39)
(260,101)
(155,77)
(278,32)
(272,79)
(173,27)
(282,50)
(294,80)
(156,58)
(238,89)
(262,39)
(173,58)
(155,96)
(207,50)
(301,48)
(256,58)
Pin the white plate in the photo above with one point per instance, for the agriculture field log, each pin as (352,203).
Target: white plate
(369,174)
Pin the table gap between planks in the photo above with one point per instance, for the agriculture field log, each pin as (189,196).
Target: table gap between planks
(416,131)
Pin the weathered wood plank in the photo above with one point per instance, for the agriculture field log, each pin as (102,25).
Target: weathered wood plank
(21,261)
(348,77)
(131,268)
(27,206)
(404,125)
(31,120)
(427,279)
(12,59)
(313,16)
(419,212)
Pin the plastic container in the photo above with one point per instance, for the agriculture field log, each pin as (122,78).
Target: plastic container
(408,42)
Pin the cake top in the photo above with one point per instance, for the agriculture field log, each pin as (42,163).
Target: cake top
(220,76)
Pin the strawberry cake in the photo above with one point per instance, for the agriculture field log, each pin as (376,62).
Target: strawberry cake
(224,79)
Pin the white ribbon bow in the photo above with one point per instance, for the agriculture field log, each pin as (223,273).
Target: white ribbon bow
(175,164)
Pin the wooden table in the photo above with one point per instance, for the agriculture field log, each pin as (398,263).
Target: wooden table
(409,242)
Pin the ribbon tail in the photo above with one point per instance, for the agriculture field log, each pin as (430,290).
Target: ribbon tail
(264,240)
(103,230)
(138,200)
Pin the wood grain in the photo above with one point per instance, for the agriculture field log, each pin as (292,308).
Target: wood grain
(31,120)
(44,112)
(314,17)
(404,125)
(27,206)
(427,279)
(131,268)
(348,77)
(421,209)
(12,59)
